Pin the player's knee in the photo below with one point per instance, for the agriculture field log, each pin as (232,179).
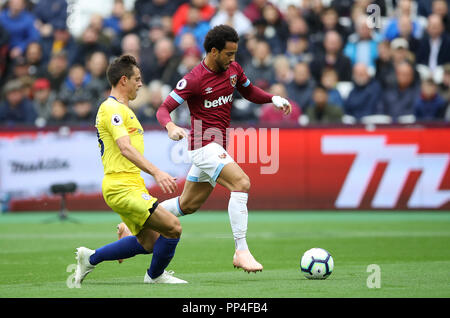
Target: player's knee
(243,184)
(174,230)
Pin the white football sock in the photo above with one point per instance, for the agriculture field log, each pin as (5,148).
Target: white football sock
(238,213)
(173,206)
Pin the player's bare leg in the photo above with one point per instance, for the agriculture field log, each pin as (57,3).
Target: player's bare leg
(122,231)
(194,195)
(234,179)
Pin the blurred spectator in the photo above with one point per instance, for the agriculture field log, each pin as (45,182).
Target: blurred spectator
(298,50)
(362,45)
(43,98)
(400,51)
(60,114)
(329,80)
(111,23)
(56,70)
(128,26)
(390,55)
(321,112)
(96,22)
(253,10)
(157,93)
(260,69)
(283,71)
(20,67)
(365,95)
(270,115)
(195,26)
(384,65)
(16,108)
(405,30)
(442,9)
(187,42)
(19,23)
(96,66)
(404,11)
(147,10)
(329,21)
(59,41)
(88,44)
(50,13)
(263,31)
(399,100)
(131,44)
(83,111)
(301,88)
(229,14)
(430,105)
(434,48)
(332,57)
(298,27)
(191,58)
(164,64)
(77,86)
(180,17)
(276,26)
(312,11)
(34,58)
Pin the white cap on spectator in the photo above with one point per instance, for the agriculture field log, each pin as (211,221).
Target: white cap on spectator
(399,43)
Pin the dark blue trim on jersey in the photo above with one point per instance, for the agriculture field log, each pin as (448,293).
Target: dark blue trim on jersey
(110,96)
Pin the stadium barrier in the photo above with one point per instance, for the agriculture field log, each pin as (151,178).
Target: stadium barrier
(315,168)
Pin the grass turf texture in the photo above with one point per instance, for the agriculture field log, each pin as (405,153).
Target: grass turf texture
(411,248)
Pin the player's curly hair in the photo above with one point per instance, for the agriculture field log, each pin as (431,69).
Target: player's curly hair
(218,36)
(121,66)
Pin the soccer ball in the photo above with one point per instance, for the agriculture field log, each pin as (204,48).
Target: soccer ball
(317,263)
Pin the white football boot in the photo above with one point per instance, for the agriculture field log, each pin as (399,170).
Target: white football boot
(83,265)
(165,278)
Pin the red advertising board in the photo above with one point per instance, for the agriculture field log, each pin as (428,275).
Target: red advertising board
(391,168)
(335,168)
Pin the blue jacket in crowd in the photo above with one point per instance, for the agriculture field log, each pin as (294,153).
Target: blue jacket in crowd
(21,29)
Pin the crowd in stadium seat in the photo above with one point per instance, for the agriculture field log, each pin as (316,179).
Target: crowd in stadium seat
(352,61)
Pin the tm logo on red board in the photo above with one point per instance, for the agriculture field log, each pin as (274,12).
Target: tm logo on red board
(401,159)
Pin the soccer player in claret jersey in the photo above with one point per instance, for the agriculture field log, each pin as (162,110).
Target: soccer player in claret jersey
(121,142)
(208,90)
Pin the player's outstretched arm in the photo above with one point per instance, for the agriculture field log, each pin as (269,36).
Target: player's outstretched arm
(165,181)
(258,96)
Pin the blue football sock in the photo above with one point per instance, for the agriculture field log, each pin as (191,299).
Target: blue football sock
(124,248)
(163,252)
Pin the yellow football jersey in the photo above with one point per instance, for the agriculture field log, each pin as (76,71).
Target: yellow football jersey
(115,120)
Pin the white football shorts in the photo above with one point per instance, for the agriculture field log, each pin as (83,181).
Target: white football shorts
(207,163)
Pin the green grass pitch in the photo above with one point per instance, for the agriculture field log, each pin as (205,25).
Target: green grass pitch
(411,249)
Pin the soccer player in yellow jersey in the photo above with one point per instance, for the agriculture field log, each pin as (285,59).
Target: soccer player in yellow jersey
(121,142)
